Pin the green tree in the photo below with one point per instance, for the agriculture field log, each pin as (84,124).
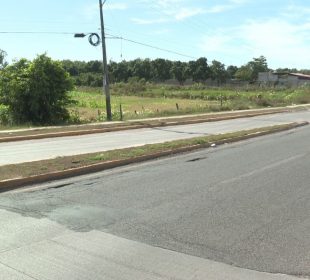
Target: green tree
(71,67)
(258,65)
(287,70)
(161,69)
(119,72)
(218,72)
(3,62)
(179,71)
(244,73)
(249,72)
(36,91)
(94,66)
(141,68)
(231,71)
(199,70)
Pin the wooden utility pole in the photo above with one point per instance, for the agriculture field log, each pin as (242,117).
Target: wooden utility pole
(105,65)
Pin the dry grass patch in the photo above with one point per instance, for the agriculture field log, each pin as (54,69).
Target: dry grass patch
(71,162)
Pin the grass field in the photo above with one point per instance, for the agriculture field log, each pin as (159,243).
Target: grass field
(91,106)
(145,101)
(141,100)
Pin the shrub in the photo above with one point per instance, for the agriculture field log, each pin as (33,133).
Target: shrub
(5,115)
(36,91)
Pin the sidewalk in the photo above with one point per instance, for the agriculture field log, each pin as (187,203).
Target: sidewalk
(61,131)
(60,253)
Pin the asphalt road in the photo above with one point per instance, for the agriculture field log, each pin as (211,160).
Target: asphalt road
(231,212)
(23,151)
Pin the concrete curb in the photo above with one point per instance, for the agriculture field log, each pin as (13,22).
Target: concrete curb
(162,123)
(20,182)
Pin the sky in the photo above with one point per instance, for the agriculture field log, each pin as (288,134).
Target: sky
(230,31)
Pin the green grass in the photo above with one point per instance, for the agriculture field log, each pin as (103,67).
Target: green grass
(149,100)
(142,100)
(91,106)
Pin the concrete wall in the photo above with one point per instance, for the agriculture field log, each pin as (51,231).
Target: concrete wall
(270,79)
(266,77)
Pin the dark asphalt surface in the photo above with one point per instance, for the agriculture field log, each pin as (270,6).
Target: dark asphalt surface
(245,204)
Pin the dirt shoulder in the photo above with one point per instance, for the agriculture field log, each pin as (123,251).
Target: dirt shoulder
(62,167)
(61,131)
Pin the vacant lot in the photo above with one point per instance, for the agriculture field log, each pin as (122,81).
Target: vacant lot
(141,100)
(91,106)
(144,100)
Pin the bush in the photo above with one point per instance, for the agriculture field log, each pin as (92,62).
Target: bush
(133,87)
(36,91)
(89,79)
(5,115)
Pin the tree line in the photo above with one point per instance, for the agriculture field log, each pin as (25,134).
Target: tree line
(160,70)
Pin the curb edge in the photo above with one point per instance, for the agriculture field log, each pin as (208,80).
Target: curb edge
(21,182)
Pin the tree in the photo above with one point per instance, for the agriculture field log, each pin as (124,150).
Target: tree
(36,91)
(244,73)
(94,66)
(287,70)
(258,65)
(249,72)
(179,71)
(119,72)
(141,68)
(161,69)
(231,71)
(199,69)
(3,62)
(74,68)
(218,72)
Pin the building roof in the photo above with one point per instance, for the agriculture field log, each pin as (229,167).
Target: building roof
(300,75)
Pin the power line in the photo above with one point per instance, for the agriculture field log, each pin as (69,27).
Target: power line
(36,32)
(111,37)
(150,46)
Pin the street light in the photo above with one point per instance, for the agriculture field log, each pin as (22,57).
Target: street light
(94,40)
(79,35)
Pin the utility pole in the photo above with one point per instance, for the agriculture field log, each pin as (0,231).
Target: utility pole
(105,66)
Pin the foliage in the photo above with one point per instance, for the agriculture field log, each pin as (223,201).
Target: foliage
(218,72)
(179,71)
(119,72)
(3,62)
(89,79)
(5,115)
(231,71)
(158,70)
(163,70)
(244,73)
(258,65)
(199,70)
(36,91)
(141,68)
(249,72)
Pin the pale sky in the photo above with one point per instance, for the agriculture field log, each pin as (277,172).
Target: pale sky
(231,31)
